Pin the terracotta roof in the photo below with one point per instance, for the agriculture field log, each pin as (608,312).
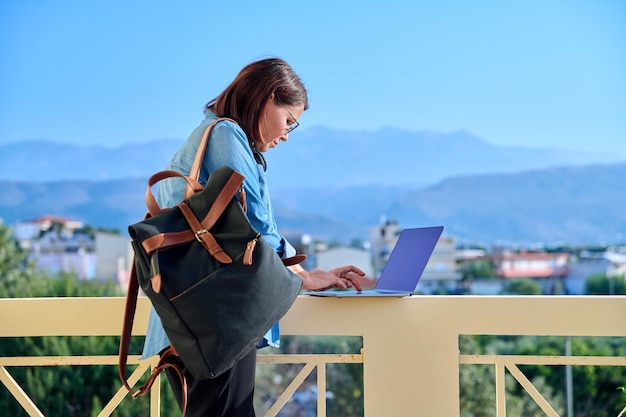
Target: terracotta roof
(528,255)
(51,218)
(533,273)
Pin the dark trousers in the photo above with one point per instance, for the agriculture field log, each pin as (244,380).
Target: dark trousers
(229,395)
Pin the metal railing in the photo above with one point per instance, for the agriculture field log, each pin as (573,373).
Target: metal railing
(410,349)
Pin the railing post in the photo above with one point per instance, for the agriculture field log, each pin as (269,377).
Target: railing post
(410,353)
(155,398)
(411,362)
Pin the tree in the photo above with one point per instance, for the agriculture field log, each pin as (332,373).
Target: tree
(18,277)
(601,284)
(522,286)
(476,269)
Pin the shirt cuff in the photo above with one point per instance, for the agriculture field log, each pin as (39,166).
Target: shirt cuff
(288,250)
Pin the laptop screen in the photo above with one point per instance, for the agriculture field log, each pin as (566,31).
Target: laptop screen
(408,259)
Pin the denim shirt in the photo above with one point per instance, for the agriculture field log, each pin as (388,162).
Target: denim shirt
(227,145)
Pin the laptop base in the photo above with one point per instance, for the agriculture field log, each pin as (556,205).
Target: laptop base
(364,293)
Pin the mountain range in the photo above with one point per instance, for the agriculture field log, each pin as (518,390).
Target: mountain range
(336,185)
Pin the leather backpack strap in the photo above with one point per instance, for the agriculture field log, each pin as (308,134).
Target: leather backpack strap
(194,173)
(204,236)
(223,199)
(127,327)
(232,185)
(151,203)
(165,360)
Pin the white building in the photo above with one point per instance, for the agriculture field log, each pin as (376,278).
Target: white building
(340,256)
(113,255)
(616,255)
(55,245)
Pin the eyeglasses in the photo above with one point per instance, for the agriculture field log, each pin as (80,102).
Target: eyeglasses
(292,126)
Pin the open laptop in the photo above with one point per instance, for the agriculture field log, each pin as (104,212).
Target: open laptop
(404,268)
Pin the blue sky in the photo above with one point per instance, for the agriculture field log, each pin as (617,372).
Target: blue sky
(534,73)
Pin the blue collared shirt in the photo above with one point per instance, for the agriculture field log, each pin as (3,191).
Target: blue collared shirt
(228,145)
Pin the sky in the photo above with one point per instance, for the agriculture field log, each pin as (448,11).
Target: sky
(533,73)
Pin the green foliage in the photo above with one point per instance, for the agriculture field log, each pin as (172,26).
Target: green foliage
(344,381)
(477,384)
(17,276)
(595,393)
(598,383)
(522,286)
(476,269)
(601,284)
(356,243)
(90,231)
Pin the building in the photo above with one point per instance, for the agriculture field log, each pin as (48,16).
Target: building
(340,256)
(530,264)
(549,270)
(113,255)
(32,229)
(442,272)
(56,244)
(616,256)
(382,241)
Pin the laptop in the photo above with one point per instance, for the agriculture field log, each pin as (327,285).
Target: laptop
(404,268)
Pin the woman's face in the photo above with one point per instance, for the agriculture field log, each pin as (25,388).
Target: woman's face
(275,121)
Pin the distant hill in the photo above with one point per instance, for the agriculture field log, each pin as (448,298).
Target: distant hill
(556,205)
(317,157)
(566,205)
(569,205)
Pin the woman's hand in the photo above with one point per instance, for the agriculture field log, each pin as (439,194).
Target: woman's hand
(318,280)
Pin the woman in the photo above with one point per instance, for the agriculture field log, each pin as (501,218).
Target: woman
(265,99)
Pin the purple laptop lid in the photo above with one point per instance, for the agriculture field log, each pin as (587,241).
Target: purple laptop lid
(408,259)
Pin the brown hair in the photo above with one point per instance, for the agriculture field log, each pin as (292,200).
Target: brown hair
(247,95)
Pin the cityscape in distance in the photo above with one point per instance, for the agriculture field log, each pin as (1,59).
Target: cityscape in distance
(499,205)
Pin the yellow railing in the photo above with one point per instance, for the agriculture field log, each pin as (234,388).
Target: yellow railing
(410,350)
